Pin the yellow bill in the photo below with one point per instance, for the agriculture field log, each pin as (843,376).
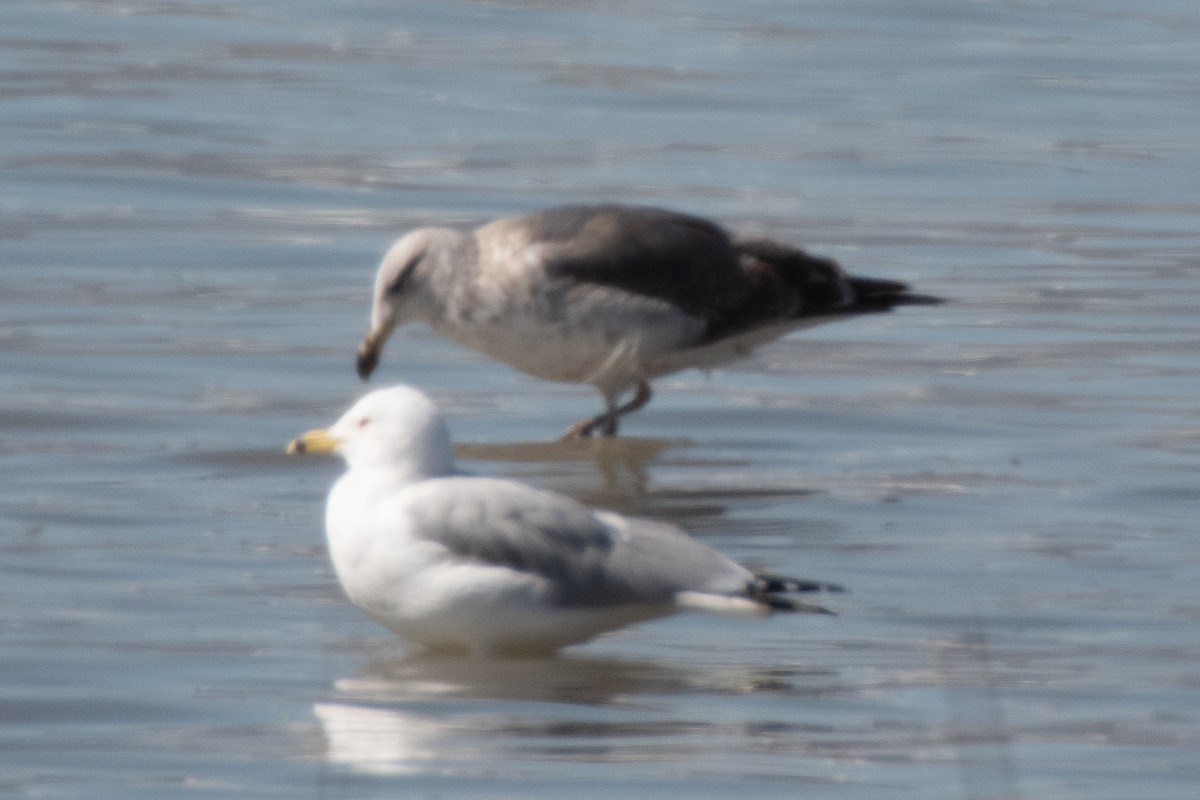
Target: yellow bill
(314,441)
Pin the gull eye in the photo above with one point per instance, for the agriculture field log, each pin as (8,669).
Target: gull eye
(364,422)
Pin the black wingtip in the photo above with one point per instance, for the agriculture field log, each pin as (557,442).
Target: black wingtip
(911,299)
(778,584)
(795,606)
(875,294)
(770,590)
(365,362)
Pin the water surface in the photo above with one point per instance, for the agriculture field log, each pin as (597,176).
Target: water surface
(193,198)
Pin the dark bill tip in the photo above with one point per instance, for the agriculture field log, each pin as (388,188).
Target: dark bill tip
(366,361)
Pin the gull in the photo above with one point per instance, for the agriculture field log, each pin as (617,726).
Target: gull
(455,562)
(611,296)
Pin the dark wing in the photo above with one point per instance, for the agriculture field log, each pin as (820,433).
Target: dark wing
(792,284)
(684,260)
(734,285)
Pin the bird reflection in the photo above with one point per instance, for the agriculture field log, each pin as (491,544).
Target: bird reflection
(429,715)
(559,679)
(380,741)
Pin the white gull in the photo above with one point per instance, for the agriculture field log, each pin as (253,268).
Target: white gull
(490,566)
(611,296)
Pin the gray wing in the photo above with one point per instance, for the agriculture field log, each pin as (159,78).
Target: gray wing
(587,560)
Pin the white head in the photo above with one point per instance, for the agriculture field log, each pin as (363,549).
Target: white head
(400,286)
(398,428)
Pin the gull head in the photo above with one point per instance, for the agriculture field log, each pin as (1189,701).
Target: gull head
(402,287)
(397,428)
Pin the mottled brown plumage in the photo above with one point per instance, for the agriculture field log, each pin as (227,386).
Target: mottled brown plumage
(611,295)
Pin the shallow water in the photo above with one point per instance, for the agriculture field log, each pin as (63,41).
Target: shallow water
(193,198)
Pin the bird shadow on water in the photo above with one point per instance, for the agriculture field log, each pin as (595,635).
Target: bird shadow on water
(621,463)
(615,457)
(628,452)
(618,473)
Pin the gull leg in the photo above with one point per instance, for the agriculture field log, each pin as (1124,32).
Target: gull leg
(606,424)
(641,396)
